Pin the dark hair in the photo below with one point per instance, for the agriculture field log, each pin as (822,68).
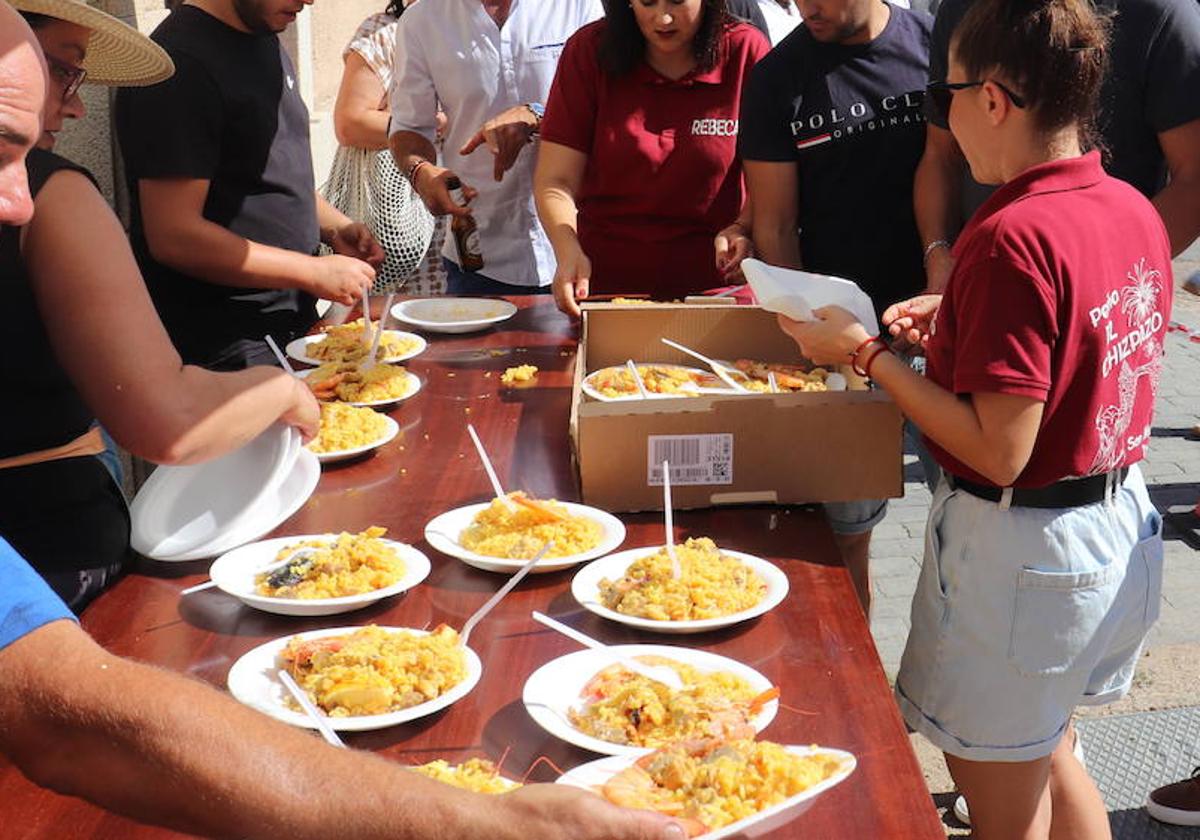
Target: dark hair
(37,21)
(623,45)
(395,8)
(1054,52)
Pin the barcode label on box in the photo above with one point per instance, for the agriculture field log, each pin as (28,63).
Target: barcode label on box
(694,459)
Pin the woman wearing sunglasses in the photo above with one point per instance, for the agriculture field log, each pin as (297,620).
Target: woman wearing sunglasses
(1043,557)
(85,343)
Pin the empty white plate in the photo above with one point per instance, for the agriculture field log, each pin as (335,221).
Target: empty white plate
(595,773)
(586,589)
(453,314)
(234,572)
(180,509)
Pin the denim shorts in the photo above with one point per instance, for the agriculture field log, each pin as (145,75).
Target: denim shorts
(1022,614)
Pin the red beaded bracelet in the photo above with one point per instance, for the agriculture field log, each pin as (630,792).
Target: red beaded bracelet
(879,351)
(854,353)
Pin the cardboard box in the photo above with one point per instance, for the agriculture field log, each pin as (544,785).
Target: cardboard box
(743,448)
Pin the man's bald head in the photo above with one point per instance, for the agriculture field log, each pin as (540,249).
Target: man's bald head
(22,95)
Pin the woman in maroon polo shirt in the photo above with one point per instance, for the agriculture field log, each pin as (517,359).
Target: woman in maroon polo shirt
(638,169)
(1043,558)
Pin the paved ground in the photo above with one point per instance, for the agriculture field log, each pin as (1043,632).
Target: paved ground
(1170,673)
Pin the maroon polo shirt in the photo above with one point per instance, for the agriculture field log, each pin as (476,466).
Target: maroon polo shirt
(1061,292)
(662,173)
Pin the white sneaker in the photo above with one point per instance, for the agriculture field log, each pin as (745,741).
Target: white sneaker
(960,802)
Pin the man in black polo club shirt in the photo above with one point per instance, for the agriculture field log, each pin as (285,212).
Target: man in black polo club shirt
(226,221)
(832,129)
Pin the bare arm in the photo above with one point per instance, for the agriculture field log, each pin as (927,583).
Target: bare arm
(180,237)
(994,434)
(357,118)
(409,149)
(73,718)
(556,183)
(937,198)
(89,290)
(1179,202)
(772,190)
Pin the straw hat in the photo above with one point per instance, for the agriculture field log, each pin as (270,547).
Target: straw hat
(117,53)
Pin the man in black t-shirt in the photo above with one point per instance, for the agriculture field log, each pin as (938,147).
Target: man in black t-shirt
(831,131)
(1149,123)
(226,221)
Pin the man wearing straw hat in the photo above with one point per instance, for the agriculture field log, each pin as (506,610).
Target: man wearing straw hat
(226,220)
(172,751)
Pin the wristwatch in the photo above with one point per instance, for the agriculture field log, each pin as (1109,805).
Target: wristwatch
(539,111)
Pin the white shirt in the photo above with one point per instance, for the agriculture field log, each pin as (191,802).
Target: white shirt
(450,51)
(780,21)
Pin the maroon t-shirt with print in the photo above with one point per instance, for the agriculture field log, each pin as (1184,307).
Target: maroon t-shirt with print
(662,175)
(1061,292)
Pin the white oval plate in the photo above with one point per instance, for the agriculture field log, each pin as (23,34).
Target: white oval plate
(453,314)
(443,531)
(586,589)
(595,773)
(298,348)
(234,571)
(393,429)
(554,688)
(271,510)
(253,681)
(182,508)
(416,380)
(591,391)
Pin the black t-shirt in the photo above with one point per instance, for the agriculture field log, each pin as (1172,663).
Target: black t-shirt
(232,115)
(1153,83)
(850,117)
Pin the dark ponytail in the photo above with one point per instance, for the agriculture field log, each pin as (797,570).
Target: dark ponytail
(1053,52)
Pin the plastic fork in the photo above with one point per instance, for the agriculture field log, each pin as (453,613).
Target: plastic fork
(659,673)
(312,711)
(501,592)
(717,368)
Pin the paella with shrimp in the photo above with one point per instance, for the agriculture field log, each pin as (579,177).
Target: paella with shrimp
(517,526)
(622,707)
(352,383)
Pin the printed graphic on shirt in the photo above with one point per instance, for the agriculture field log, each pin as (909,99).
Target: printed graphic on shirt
(1133,353)
(819,127)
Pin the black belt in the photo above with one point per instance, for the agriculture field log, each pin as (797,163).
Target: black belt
(1071,492)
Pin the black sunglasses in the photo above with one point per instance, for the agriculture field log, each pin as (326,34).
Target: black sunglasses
(941,94)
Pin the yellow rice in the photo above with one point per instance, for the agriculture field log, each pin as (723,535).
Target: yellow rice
(347,427)
(382,382)
(622,707)
(519,375)
(727,782)
(474,774)
(711,584)
(520,533)
(344,343)
(374,671)
(351,565)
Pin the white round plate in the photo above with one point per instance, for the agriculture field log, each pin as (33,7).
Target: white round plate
(586,589)
(298,348)
(180,509)
(595,773)
(554,688)
(268,513)
(253,680)
(453,314)
(393,429)
(443,531)
(234,572)
(416,380)
(590,390)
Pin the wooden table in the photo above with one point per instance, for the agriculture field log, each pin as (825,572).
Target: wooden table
(816,646)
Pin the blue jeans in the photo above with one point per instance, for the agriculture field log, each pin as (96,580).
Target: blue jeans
(459,281)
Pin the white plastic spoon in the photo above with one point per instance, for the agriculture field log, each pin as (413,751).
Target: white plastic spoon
(637,379)
(717,368)
(309,709)
(487,468)
(659,673)
(501,592)
(279,355)
(374,354)
(669,515)
(278,564)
